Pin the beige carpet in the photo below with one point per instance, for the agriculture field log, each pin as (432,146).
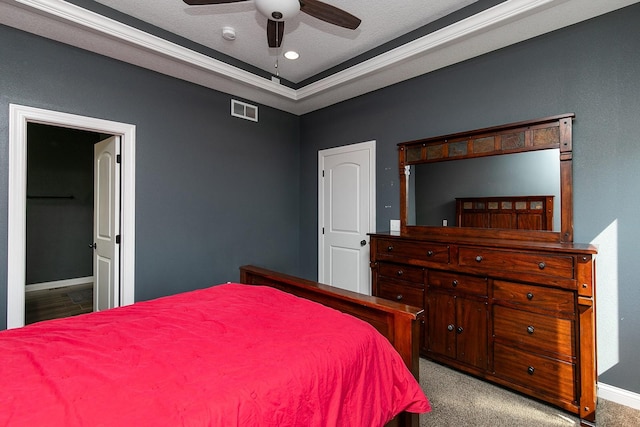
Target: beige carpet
(458,399)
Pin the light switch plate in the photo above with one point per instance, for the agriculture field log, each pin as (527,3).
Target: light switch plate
(394,225)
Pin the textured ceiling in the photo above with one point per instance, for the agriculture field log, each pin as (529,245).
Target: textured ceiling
(320,44)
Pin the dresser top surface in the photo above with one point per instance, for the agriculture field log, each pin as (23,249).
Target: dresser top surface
(572,248)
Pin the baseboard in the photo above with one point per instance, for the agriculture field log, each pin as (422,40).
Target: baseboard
(619,395)
(58,284)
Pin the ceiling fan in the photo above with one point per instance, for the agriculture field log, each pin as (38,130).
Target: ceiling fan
(278,11)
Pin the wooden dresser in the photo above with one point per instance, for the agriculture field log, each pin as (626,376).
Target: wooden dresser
(514,306)
(518,314)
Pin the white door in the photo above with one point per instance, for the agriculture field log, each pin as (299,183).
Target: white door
(346,213)
(106,226)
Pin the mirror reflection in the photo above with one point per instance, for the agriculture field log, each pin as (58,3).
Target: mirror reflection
(433,187)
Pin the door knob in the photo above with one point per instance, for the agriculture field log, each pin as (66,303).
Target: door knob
(363,242)
(92,245)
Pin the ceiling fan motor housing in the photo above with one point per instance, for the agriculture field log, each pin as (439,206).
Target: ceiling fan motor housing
(278,10)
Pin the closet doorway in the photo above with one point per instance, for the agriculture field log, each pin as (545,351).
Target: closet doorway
(27,248)
(60,222)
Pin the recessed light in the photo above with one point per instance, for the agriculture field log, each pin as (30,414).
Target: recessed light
(291,55)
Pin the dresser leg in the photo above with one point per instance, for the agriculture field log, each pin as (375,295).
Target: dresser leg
(587,423)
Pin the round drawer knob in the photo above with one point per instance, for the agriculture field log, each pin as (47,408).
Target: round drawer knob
(429,253)
(389,248)
(450,327)
(529,296)
(541,265)
(459,330)
(478,258)
(530,329)
(400,272)
(531,370)
(454,283)
(399,297)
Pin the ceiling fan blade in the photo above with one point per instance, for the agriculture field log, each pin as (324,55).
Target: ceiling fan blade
(275,31)
(330,14)
(203,2)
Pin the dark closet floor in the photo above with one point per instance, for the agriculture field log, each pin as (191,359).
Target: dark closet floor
(57,303)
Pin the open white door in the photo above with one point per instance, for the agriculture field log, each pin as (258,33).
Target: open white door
(346,213)
(106,227)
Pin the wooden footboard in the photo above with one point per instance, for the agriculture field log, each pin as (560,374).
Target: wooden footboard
(400,323)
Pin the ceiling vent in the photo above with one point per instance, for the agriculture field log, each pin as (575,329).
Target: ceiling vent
(244,110)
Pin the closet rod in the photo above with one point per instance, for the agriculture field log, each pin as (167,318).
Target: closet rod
(50,197)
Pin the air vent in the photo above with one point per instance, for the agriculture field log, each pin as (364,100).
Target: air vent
(244,110)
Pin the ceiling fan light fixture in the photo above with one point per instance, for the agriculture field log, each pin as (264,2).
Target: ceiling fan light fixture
(292,55)
(278,10)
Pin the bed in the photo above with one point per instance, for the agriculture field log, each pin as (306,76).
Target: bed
(511,212)
(235,354)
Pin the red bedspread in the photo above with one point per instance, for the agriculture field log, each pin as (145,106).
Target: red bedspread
(229,355)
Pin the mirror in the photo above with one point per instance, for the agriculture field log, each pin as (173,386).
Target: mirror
(517,160)
(518,174)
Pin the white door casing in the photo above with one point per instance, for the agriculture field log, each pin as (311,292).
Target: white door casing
(19,116)
(106,226)
(346,213)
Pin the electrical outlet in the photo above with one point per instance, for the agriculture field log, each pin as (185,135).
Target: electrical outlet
(394,225)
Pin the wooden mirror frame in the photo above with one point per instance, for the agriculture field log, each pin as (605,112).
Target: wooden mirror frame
(539,134)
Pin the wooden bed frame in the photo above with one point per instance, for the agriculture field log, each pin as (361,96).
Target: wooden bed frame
(399,323)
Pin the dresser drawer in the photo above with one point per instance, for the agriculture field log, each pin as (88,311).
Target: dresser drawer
(534,297)
(401,272)
(425,251)
(410,295)
(545,375)
(536,331)
(459,282)
(549,265)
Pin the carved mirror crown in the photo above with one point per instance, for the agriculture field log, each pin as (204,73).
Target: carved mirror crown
(550,133)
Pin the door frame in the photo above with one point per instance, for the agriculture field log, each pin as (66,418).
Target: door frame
(371,147)
(19,116)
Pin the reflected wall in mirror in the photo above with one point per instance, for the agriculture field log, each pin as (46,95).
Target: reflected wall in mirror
(434,187)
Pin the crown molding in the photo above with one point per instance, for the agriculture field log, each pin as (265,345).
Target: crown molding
(88,30)
(125,33)
(461,30)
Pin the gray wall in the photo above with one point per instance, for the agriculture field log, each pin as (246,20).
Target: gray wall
(59,229)
(591,69)
(213,191)
(437,185)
